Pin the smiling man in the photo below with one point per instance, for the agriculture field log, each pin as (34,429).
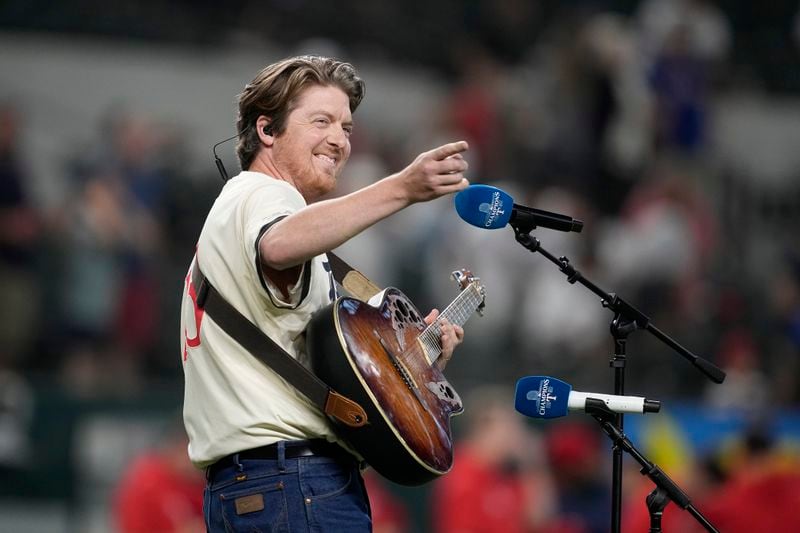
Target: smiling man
(271,456)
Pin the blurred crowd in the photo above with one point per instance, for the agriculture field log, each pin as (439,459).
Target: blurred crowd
(611,117)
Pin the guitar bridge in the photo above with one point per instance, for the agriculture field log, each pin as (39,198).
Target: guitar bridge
(400,367)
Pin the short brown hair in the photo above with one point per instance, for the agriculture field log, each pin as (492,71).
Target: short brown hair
(274,92)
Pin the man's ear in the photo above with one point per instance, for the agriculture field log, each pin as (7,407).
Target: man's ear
(264,127)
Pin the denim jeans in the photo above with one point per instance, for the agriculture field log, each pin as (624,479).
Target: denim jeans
(306,494)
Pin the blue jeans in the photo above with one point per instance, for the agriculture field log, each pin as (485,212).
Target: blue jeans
(306,494)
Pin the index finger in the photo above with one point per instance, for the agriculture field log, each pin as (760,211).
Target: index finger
(447,150)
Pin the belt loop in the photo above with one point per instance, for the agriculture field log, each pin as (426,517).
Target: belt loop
(240,475)
(282,455)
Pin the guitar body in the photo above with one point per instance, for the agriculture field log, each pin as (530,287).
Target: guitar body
(373,355)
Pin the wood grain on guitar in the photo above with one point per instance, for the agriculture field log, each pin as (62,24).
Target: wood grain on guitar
(383,356)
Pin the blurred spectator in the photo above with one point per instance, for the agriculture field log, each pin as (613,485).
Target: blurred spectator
(624,124)
(578,70)
(112,230)
(575,450)
(617,109)
(161,491)
(95,234)
(781,363)
(665,238)
(389,513)
(746,388)
(762,492)
(685,42)
(679,80)
(474,107)
(566,322)
(707,31)
(750,486)
(134,165)
(499,482)
(20,237)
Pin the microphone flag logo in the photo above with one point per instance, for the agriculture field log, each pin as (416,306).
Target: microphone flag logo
(542,397)
(493,210)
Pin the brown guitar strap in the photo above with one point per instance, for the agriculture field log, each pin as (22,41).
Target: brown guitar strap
(351,279)
(268,352)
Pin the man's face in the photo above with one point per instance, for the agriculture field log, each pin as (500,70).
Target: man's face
(312,150)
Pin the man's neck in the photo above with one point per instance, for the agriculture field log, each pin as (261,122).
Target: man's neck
(265,165)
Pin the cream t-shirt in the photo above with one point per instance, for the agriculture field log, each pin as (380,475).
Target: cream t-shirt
(232,401)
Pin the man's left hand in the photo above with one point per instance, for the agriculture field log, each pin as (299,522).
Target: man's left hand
(452,336)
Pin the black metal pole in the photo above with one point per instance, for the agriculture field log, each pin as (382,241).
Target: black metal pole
(620,329)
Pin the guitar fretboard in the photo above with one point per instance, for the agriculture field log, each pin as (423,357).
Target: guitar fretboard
(458,312)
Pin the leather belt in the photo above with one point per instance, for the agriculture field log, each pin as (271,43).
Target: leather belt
(292,450)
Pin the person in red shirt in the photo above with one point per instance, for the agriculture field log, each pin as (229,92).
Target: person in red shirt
(160,491)
(751,488)
(762,492)
(498,482)
(389,512)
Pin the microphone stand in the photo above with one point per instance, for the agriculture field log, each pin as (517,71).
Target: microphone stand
(627,319)
(666,489)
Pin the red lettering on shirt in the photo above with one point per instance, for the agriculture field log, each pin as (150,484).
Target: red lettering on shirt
(198,317)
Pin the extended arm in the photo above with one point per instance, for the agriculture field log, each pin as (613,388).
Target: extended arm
(325,225)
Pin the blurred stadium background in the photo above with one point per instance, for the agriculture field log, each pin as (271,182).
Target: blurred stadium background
(670,127)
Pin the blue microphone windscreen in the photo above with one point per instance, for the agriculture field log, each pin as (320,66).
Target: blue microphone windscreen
(484,206)
(542,397)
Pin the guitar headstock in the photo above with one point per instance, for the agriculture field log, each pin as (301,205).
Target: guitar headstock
(465,280)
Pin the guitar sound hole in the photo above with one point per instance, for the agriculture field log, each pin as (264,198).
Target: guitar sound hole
(402,307)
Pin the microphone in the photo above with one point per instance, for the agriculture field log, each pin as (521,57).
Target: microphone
(546,397)
(488,207)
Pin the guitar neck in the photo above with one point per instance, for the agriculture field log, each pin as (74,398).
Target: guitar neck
(458,312)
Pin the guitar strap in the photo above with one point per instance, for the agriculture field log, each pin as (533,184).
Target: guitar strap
(268,352)
(351,279)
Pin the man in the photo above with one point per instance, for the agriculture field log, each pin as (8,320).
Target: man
(269,452)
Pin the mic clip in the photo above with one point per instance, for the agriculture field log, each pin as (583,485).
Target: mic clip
(598,409)
(525,238)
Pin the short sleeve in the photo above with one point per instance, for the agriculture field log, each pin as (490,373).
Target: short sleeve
(264,207)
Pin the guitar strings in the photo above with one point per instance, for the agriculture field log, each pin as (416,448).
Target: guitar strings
(458,312)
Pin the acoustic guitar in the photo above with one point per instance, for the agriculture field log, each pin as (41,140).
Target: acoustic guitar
(384,356)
